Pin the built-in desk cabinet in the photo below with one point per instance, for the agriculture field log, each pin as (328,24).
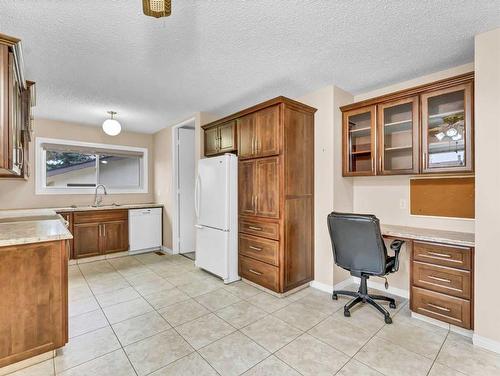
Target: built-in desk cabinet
(442,282)
(422,130)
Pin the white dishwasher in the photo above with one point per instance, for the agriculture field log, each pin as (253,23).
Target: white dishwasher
(145,229)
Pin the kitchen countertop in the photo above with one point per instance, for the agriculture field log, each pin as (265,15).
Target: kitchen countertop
(26,226)
(439,236)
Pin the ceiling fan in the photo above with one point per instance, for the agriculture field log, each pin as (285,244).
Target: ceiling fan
(157,8)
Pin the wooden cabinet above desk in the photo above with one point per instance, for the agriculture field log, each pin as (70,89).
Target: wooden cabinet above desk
(422,130)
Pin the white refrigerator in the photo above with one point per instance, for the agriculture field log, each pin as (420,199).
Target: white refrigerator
(216,207)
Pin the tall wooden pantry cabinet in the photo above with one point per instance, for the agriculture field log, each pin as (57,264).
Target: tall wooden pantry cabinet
(276,193)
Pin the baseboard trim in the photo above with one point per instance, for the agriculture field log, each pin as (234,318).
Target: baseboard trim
(486,343)
(167,250)
(329,288)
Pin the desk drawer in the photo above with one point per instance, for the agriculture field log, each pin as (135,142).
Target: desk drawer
(259,248)
(269,230)
(450,281)
(442,254)
(259,272)
(441,307)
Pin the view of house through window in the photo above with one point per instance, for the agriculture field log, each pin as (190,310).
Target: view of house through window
(69,167)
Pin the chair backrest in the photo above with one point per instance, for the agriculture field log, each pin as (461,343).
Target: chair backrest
(357,243)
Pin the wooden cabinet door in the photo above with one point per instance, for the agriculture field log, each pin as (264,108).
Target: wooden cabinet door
(86,240)
(447,130)
(398,146)
(267,132)
(211,141)
(267,187)
(246,187)
(114,237)
(69,218)
(246,136)
(359,151)
(227,137)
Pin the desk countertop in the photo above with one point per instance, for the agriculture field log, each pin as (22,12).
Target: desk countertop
(439,236)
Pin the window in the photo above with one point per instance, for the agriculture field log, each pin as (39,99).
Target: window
(71,167)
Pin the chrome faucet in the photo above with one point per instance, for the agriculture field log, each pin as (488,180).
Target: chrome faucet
(98,199)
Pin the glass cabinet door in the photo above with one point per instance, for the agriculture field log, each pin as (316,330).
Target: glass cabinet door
(447,129)
(398,136)
(359,141)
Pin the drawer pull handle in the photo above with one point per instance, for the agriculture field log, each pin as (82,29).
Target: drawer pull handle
(255,228)
(439,307)
(441,255)
(439,279)
(255,248)
(254,272)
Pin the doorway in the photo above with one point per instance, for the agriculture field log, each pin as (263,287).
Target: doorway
(184,181)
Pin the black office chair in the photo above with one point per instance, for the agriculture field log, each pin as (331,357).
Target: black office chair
(358,246)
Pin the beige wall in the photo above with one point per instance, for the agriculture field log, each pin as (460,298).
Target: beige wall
(15,194)
(487,136)
(330,191)
(163,169)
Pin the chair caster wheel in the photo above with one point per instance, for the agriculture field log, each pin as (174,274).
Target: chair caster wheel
(392,305)
(388,320)
(347,314)
(335,297)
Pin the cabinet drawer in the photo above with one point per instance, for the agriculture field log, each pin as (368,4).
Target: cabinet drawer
(442,254)
(441,307)
(265,229)
(259,248)
(442,279)
(100,216)
(259,272)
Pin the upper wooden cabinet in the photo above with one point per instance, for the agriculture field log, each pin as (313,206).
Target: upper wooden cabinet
(16,100)
(447,129)
(220,139)
(359,141)
(422,130)
(258,133)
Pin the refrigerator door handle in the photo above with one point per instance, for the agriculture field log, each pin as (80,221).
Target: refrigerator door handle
(198,226)
(197,197)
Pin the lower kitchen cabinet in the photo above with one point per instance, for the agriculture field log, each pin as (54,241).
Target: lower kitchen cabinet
(100,232)
(34,306)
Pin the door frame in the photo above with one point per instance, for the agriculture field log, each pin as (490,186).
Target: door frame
(175,180)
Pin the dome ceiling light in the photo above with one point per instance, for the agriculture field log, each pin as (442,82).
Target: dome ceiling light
(111,126)
(157,8)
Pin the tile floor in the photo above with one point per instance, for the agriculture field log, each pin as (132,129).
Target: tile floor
(159,315)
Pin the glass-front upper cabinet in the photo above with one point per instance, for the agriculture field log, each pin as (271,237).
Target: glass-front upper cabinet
(447,129)
(359,141)
(398,136)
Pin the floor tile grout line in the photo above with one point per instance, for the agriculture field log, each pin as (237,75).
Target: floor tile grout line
(114,333)
(437,354)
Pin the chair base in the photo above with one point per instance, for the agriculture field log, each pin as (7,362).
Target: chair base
(362,296)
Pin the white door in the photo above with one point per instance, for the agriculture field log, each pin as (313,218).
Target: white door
(212,194)
(211,250)
(185,189)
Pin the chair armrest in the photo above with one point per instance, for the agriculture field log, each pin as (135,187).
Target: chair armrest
(396,247)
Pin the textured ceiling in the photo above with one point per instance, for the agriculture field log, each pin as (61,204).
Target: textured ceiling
(90,56)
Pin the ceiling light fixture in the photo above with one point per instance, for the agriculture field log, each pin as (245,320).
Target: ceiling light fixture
(111,126)
(157,8)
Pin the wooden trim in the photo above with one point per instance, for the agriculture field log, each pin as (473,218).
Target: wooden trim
(436,85)
(8,40)
(289,102)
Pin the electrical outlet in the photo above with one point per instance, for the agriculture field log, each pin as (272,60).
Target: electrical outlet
(402,203)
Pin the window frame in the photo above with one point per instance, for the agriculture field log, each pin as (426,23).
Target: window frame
(41,172)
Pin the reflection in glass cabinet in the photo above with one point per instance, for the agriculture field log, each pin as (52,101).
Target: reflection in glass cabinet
(446,129)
